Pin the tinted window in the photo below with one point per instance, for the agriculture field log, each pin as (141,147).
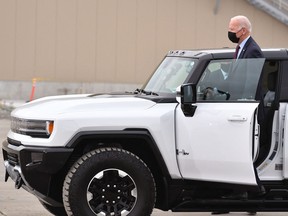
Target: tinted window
(284,82)
(230,80)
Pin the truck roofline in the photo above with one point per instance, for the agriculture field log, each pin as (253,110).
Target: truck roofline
(198,53)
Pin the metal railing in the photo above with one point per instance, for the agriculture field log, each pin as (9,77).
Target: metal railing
(280,4)
(276,8)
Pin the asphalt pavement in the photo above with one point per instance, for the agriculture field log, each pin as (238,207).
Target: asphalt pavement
(15,202)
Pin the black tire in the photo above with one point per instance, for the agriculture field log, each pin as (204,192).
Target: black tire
(109,181)
(58,211)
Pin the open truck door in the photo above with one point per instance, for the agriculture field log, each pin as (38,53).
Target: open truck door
(216,124)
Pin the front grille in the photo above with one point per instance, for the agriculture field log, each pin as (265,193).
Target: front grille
(12,159)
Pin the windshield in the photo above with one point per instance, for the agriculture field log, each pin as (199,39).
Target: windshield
(171,73)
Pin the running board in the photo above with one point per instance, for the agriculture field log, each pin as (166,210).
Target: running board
(232,205)
(274,200)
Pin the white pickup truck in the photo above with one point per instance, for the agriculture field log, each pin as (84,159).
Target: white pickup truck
(203,127)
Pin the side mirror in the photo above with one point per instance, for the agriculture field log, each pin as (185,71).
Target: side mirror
(188,93)
(188,98)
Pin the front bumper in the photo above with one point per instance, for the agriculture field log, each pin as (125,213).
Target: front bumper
(39,170)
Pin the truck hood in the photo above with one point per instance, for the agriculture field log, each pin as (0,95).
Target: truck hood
(52,107)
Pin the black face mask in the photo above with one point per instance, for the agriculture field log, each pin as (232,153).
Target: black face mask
(232,37)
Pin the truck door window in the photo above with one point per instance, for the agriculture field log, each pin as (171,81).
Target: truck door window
(230,80)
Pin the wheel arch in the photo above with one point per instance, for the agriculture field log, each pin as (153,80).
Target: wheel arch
(137,141)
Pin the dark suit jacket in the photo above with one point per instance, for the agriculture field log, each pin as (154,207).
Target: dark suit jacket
(239,83)
(251,50)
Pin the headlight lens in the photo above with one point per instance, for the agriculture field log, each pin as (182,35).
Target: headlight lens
(33,128)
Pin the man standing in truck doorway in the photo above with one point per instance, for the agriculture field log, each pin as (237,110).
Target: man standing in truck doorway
(239,32)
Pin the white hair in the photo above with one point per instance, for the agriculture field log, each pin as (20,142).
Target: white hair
(243,22)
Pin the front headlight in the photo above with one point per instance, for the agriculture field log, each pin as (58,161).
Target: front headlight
(33,128)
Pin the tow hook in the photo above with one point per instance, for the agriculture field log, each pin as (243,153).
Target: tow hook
(18,182)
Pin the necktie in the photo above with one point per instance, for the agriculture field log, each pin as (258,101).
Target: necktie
(236,52)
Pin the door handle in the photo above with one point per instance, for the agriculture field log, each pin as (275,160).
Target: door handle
(237,118)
